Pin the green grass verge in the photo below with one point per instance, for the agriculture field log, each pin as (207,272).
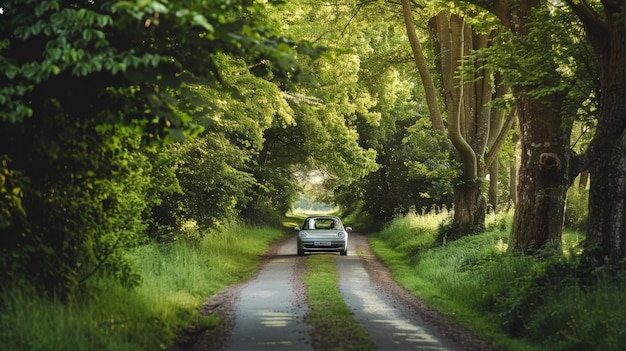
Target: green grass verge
(334,325)
(435,274)
(545,302)
(176,279)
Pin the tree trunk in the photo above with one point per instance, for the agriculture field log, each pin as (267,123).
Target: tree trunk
(607,157)
(422,67)
(468,110)
(469,210)
(542,178)
(497,133)
(606,231)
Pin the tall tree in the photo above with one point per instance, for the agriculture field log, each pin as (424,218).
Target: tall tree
(470,116)
(371,75)
(83,83)
(605,25)
(543,102)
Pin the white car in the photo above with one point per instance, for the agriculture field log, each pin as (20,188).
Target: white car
(322,233)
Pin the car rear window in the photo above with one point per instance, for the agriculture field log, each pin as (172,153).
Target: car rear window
(321,223)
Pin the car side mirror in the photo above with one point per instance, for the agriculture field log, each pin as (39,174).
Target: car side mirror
(296,228)
(348,229)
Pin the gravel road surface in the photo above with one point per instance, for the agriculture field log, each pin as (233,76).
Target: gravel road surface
(267,312)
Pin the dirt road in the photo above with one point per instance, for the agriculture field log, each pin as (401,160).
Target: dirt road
(267,312)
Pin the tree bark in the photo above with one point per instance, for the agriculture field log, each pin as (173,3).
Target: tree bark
(497,132)
(543,176)
(469,210)
(513,171)
(513,184)
(470,118)
(473,127)
(422,67)
(467,108)
(606,231)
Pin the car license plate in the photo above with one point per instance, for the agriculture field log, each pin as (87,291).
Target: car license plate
(321,243)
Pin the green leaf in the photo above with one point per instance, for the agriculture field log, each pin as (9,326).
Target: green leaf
(53,69)
(202,21)
(30,70)
(177,135)
(11,71)
(53,53)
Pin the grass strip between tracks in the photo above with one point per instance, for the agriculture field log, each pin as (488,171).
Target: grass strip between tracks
(334,325)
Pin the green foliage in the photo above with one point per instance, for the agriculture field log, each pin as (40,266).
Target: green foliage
(367,76)
(550,304)
(212,185)
(412,234)
(93,91)
(413,172)
(594,324)
(566,73)
(519,301)
(11,182)
(83,210)
(576,208)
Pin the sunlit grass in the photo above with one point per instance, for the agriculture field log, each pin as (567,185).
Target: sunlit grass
(476,282)
(445,276)
(176,279)
(293,219)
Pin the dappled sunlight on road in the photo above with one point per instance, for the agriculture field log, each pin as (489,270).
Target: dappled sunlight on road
(391,326)
(274,319)
(269,315)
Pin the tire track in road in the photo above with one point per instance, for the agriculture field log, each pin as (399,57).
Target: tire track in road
(390,326)
(271,308)
(398,319)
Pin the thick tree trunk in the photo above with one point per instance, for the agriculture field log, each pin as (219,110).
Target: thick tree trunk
(606,231)
(469,209)
(607,164)
(542,179)
(607,198)
(470,118)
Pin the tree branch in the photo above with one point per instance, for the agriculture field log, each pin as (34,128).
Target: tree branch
(587,15)
(422,67)
(492,154)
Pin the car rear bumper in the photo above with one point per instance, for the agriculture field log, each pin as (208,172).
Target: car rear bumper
(311,246)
